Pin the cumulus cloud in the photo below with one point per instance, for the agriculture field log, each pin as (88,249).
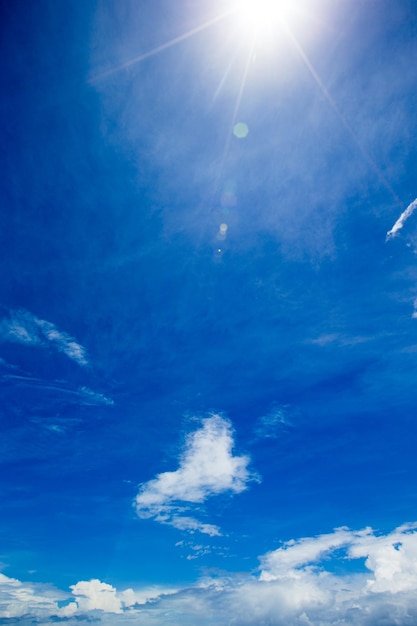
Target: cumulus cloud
(95,595)
(207,467)
(401,220)
(21,326)
(392,559)
(296,586)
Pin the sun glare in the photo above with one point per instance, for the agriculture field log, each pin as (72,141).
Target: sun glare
(262,15)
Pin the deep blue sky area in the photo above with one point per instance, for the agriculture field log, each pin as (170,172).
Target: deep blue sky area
(208,312)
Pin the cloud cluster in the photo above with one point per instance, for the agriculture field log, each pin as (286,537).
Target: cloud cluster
(207,467)
(18,599)
(21,326)
(296,587)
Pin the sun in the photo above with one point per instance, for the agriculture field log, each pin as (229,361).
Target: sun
(260,16)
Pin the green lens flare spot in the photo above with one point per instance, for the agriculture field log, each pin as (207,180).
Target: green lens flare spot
(240,130)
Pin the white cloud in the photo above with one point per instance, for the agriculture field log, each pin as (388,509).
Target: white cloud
(295,555)
(39,601)
(296,587)
(401,220)
(23,327)
(207,468)
(391,558)
(93,594)
(18,598)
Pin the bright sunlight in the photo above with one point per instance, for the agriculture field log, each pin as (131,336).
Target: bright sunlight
(261,16)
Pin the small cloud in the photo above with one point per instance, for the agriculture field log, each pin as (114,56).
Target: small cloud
(330,339)
(326,339)
(207,467)
(55,428)
(23,327)
(401,220)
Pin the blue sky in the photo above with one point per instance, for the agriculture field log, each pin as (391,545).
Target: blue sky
(208,312)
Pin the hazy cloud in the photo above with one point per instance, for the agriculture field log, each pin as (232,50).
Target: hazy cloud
(267,426)
(21,326)
(401,220)
(207,468)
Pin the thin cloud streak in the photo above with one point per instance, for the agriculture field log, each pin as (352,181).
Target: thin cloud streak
(401,220)
(82,395)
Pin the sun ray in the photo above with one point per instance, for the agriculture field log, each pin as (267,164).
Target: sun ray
(365,154)
(224,77)
(236,107)
(161,48)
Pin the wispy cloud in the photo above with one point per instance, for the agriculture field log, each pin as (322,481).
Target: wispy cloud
(207,468)
(89,397)
(296,587)
(7,366)
(330,339)
(402,219)
(80,395)
(267,426)
(21,326)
